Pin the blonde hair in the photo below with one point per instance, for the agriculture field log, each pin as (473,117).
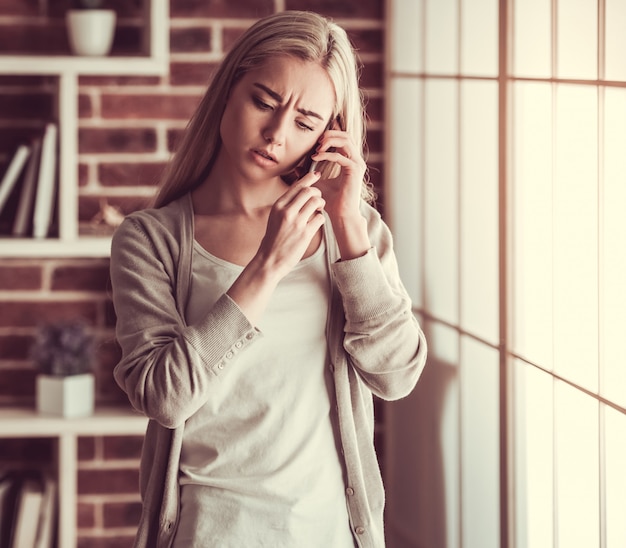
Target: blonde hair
(302,35)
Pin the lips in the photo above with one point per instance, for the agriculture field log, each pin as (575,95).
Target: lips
(265,154)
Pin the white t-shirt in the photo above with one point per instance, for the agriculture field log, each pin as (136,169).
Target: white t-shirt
(259,464)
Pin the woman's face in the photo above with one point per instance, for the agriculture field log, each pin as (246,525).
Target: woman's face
(274,116)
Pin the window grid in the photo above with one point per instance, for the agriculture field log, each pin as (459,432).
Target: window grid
(506,80)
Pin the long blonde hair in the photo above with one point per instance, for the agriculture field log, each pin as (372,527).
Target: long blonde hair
(303,35)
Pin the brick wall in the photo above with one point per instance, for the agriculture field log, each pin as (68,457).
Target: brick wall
(128,127)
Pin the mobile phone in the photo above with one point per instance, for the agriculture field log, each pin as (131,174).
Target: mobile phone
(312,164)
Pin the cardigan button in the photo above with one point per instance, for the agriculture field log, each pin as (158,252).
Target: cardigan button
(360,530)
(350,491)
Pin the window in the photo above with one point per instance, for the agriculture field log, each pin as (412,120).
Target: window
(506,196)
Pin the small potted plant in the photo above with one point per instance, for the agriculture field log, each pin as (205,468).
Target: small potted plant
(63,354)
(90,28)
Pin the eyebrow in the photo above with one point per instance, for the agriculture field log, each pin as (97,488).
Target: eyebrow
(278,97)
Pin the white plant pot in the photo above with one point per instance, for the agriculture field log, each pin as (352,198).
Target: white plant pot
(71,396)
(90,32)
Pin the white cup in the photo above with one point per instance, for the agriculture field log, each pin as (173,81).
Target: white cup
(90,32)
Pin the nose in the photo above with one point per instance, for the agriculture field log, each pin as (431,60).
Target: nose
(275,130)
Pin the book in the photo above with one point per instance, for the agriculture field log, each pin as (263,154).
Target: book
(45,182)
(23,217)
(28,506)
(12,173)
(47,516)
(7,506)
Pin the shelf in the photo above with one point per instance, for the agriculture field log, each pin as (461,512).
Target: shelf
(68,69)
(28,423)
(56,65)
(88,247)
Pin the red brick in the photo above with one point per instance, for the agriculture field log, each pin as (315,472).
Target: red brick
(26,105)
(15,347)
(191,74)
(89,206)
(109,312)
(374,107)
(87,277)
(83,174)
(163,107)
(11,137)
(26,451)
(86,515)
(122,447)
(17,383)
(222,8)
(17,7)
(33,313)
(372,75)
(138,139)
(86,448)
(19,277)
(121,514)
(230,35)
(103,482)
(130,174)
(50,39)
(134,80)
(367,40)
(94,541)
(197,39)
(108,355)
(375,141)
(85,108)
(174,136)
(21,80)
(363,9)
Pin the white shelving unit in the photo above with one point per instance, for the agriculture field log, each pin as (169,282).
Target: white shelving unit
(68,69)
(27,423)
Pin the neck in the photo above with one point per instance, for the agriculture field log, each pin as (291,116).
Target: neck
(226,190)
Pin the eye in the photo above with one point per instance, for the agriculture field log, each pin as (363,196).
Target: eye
(260,104)
(303,126)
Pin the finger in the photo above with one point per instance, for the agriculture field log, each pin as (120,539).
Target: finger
(295,201)
(305,182)
(312,206)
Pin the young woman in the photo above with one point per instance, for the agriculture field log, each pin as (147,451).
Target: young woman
(259,308)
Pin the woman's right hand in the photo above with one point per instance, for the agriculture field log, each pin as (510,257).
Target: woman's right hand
(294,220)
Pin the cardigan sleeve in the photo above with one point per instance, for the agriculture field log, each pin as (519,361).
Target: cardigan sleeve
(382,337)
(167,368)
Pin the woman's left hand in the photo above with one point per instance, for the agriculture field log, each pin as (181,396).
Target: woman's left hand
(342,193)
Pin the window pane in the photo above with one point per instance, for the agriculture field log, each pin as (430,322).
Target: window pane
(576,236)
(423,486)
(577,465)
(442,37)
(532,38)
(534,457)
(615,67)
(479,37)
(406,35)
(441,259)
(480,452)
(577,39)
(479,209)
(615,451)
(405,188)
(532,222)
(613,292)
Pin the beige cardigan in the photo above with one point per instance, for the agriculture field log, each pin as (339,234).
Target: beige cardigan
(168,368)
